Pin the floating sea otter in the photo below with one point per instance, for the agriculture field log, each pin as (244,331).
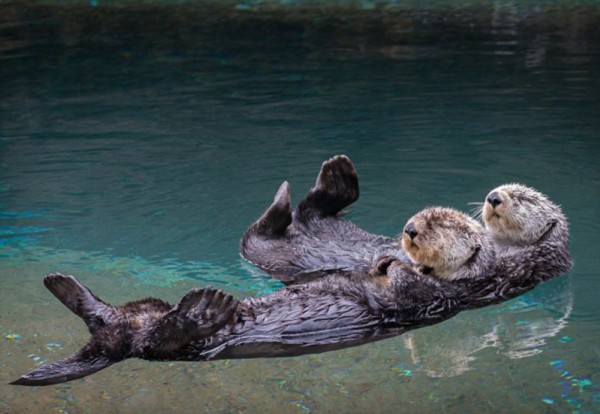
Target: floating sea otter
(314,240)
(526,228)
(337,311)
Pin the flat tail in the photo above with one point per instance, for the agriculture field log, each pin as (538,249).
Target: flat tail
(276,219)
(336,188)
(67,369)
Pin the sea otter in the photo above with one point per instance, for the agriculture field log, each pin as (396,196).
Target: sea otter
(468,252)
(314,240)
(333,312)
(531,244)
(524,226)
(519,216)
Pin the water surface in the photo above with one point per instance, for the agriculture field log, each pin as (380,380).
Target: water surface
(136,145)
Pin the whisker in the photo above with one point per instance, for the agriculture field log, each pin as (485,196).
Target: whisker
(477,211)
(476,215)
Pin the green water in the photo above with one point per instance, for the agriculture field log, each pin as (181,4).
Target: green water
(137,144)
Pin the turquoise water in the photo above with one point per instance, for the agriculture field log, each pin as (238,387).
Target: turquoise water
(136,145)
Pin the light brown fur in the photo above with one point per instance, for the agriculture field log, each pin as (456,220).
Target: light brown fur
(449,244)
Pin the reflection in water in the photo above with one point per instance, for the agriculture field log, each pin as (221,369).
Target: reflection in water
(504,24)
(518,330)
(138,142)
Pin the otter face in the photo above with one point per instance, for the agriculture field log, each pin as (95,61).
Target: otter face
(447,244)
(518,215)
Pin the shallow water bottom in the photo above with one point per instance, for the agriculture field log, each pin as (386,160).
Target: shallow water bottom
(135,141)
(520,356)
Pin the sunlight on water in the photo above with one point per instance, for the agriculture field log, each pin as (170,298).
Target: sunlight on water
(136,148)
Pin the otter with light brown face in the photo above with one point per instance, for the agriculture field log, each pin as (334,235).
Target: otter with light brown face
(448,244)
(329,313)
(335,311)
(315,240)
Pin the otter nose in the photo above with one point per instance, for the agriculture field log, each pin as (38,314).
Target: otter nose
(494,199)
(411,230)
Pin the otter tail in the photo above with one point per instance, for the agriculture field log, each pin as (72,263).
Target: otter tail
(96,313)
(336,188)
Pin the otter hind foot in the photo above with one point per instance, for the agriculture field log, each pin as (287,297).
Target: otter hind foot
(336,188)
(66,369)
(276,219)
(92,357)
(79,299)
(198,315)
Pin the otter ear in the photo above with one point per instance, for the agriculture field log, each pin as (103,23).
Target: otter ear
(336,188)
(276,219)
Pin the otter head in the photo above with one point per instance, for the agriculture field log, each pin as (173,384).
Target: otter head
(448,244)
(516,215)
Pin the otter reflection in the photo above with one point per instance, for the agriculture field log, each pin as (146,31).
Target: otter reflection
(518,329)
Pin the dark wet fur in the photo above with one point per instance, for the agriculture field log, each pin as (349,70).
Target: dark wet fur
(336,311)
(314,240)
(353,301)
(150,327)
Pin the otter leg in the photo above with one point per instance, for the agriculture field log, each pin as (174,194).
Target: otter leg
(336,187)
(85,362)
(278,216)
(199,314)
(80,300)
(92,357)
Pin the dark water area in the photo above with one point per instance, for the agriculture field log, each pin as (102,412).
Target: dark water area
(137,143)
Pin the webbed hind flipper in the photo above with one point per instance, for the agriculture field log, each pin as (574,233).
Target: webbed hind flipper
(92,357)
(278,216)
(336,188)
(83,363)
(79,299)
(199,314)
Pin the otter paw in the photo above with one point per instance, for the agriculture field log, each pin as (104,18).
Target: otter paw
(207,310)
(382,264)
(336,187)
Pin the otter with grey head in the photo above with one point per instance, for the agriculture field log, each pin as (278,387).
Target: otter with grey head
(331,313)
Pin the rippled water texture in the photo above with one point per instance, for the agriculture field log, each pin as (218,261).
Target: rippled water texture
(137,144)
